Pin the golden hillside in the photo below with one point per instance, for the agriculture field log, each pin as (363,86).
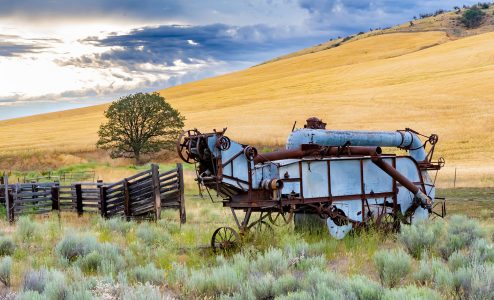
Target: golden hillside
(423,80)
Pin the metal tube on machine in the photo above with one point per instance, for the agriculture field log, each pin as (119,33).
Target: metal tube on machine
(316,150)
(424,199)
(401,139)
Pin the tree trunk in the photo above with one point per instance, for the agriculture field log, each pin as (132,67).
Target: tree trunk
(137,156)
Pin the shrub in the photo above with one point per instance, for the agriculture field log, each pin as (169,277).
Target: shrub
(364,288)
(296,296)
(5,270)
(425,273)
(272,261)
(285,284)
(262,286)
(218,280)
(178,274)
(457,260)
(151,235)
(484,5)
(462,232)
(29,295)
(117,225)
(417,238)
(112,260)
(74,246)
(147,274)
(91,262)
(7,246)
(443,279)
(411,292)
(105,259)
(472,17)
(143,291)
(481,284)
(56,287)
(26,229)
(482,251)
(35,280)
(392,266)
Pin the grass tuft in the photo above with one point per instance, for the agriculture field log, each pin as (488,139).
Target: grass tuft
(5,270)
(392,266)
(7,246)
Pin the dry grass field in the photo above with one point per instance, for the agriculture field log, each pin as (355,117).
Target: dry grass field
(431,81)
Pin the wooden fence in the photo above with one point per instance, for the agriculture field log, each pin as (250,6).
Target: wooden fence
(140,196)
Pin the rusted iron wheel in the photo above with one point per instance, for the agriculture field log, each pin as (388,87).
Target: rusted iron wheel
(281,218)
(225,240)
(250,153)
(183,145)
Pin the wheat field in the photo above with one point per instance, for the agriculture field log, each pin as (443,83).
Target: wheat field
(423,80)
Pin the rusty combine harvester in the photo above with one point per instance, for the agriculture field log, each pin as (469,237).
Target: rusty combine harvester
(341,176)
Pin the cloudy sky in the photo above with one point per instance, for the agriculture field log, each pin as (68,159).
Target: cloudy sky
(60,54)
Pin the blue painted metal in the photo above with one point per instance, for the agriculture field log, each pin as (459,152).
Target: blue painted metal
(401,139)
(357,186)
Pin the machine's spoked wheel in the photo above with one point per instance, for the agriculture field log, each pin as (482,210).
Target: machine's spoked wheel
(225,240)
(281,218)
(183,145)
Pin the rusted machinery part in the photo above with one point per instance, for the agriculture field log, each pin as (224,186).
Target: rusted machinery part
(250,153)
(387,222)
(272,184)
(282,217)
(262,227)
(395,174)
(316,150)
(223,143)
(424,200)
(184,144)
(225,240)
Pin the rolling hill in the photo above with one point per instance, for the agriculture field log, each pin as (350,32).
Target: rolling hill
(428,79)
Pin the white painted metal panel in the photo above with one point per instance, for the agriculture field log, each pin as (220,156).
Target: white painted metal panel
(375,179)
(315,179)
(345,177)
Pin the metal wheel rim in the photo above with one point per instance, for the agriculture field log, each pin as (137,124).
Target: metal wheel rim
(224,239)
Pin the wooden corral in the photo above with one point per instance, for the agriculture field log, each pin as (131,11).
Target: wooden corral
(142,195)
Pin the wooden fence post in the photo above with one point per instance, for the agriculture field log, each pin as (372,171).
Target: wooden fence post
(78,199)
(156,190)
(102,197)
(55,199)
(11,215)
(126,191)
(7,204)
(180,173)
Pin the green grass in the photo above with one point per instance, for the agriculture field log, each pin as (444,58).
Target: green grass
(92,256)
(468,201)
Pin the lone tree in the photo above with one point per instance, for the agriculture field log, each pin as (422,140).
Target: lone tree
(472,17)
(139,124)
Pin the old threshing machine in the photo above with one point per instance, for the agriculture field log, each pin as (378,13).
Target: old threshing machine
(340,176)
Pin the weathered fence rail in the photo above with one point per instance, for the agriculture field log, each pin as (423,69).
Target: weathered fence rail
(142,195)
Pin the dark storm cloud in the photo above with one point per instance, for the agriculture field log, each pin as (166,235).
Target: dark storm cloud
(15,49)
(127,8)
(164,45)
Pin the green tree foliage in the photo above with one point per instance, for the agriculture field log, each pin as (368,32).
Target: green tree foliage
(472,17)
(139,124)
